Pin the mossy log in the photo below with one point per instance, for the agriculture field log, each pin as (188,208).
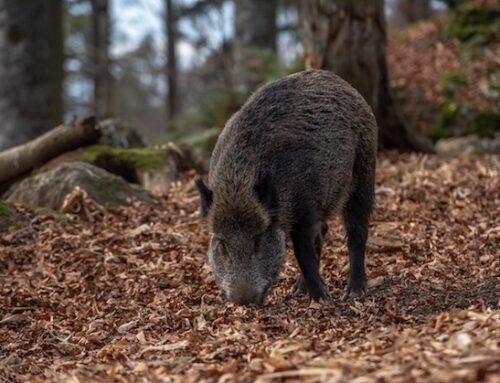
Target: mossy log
(154,168)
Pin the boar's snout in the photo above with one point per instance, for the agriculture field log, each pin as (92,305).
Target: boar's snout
(245,295)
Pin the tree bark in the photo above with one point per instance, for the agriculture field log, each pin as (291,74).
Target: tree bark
(255,30)
(171,67)
(21,159)
(349,38)
(31,69)
(100,59)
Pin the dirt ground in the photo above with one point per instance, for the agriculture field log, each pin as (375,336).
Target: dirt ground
(126,295)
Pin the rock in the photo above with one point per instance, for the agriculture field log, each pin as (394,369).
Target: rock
(471,144)
(118,134)
(154,168)
(175,160)
(50,188)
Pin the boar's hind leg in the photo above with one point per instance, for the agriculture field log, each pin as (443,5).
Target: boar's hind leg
(356,216)
(321,228)
(305,249)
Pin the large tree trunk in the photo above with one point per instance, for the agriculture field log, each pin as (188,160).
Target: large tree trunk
(349,38)
(31,69)
(171,67)
(100,58)
(255,32)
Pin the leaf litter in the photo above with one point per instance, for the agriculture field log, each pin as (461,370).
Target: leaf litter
(126,295)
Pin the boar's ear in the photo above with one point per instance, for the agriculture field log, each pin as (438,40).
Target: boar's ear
(267,193)
(206,196)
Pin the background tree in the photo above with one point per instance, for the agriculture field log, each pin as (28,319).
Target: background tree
(99,54)
(254,35)
(171,65)
(349,38)
(31,69)
(139,97)
(409,11)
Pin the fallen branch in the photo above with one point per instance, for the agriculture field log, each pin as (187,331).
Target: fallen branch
(23,158)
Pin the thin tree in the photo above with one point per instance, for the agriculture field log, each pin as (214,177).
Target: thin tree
(100,59)
(349,38)
(31,69)
(255,30)
(171,65)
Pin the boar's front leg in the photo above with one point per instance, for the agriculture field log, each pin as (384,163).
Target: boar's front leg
(320,229)
(303,239)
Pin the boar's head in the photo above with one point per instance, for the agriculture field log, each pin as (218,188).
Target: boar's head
(247,247)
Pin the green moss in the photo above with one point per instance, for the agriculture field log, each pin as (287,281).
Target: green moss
(5,209)
(5,215)
(144,159)
(451,83)
(485,124)
(476,25)
(450,111)
(481,123)
(447,118)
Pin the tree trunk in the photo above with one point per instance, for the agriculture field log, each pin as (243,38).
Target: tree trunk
(255,33)
(349,38)
(171,67)
(31,69)
(100,58)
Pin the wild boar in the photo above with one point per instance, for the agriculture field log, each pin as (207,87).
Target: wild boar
(300,150)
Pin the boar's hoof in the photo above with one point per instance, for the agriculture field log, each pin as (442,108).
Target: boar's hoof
(299,287)
(354,292)
(321,295)
(324,300)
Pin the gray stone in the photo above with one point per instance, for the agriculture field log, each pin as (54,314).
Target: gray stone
(471,144)
(50,188)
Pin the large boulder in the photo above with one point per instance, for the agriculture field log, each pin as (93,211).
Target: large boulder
(49,189)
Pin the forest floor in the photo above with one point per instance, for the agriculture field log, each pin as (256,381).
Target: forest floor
(126,295)
(422,61)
